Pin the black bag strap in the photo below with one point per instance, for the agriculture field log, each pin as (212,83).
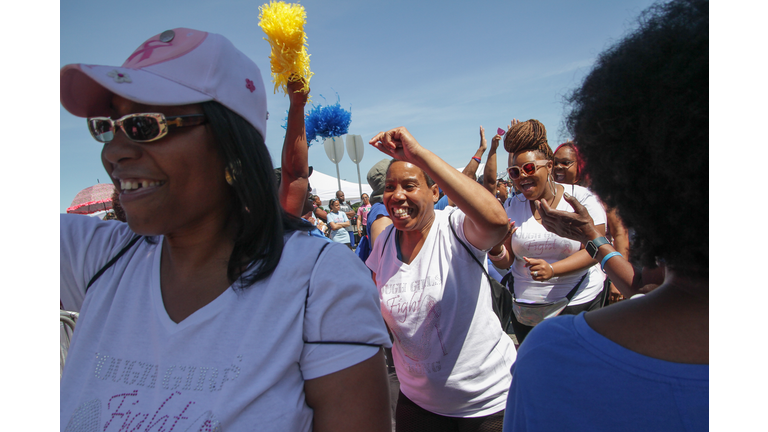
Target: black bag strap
(387,239)
(111,262)
(570,295)
(450,224)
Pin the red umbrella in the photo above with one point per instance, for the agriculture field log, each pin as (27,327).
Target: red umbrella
(93,199)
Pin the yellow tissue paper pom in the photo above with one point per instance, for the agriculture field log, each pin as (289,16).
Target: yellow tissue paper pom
(283,24)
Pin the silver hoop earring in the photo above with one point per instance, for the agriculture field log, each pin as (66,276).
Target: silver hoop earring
(551,182)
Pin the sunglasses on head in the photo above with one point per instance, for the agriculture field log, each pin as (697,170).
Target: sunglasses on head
(144,127)
(529,168)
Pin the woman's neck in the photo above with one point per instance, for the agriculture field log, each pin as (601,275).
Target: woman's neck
(548,195)
(670,323)
(410,242)
(193,267)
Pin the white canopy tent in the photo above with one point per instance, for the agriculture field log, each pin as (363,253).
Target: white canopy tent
(325,187)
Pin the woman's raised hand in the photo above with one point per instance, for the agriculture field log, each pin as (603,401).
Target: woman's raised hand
(296,94)
(575,226)
(397,143)
(483,142)
(495,142)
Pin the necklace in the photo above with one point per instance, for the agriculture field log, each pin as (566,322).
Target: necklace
(551,204)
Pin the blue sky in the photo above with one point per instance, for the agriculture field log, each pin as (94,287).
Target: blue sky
(442,69)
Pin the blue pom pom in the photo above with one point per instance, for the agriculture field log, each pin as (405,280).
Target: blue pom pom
(324,122)
(327,121)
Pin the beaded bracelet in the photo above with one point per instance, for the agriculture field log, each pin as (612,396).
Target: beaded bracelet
(607,257)
(476,158)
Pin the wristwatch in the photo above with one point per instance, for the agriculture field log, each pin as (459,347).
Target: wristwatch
(594,245)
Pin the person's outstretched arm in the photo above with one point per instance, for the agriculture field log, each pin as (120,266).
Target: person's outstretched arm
(471,168)
(295,157)
(486,222)
(580,227)
(489,172)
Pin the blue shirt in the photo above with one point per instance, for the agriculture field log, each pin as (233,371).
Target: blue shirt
(377,209)
(340,235)
(442,203)
(569,377)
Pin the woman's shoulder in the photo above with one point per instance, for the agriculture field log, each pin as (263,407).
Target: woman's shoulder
(514,207)
(588,199)
(579,192)
(84,231)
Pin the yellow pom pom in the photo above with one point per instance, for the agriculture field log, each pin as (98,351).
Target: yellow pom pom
(283,24)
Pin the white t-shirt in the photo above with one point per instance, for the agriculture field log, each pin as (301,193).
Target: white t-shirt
(532,240)
(340,235)
(451,355)
(238,363)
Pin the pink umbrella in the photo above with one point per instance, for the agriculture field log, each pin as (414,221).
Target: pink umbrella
(93,199)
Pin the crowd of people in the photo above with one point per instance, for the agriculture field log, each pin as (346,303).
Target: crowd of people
(220,299)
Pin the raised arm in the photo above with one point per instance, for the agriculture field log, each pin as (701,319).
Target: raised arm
(486,221)
(294,161)
(471,168)
(489,172)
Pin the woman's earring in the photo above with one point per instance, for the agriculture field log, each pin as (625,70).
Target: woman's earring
(551,182)
(228,177)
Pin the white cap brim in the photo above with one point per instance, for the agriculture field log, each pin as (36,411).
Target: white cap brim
(86,90)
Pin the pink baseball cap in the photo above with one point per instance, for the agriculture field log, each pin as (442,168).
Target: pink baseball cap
(176,67)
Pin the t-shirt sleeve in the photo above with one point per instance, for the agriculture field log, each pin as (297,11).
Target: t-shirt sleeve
(595,209)
(457,220)
(86,245)
(342,313)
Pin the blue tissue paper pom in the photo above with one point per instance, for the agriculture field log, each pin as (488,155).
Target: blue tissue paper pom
(323,122)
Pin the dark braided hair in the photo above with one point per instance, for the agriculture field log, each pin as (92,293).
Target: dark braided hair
(529,135)
(641,119)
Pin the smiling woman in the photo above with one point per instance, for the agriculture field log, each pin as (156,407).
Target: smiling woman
(212,295)
(551,274)
(435,299)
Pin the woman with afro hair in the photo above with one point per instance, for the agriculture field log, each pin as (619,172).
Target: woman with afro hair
(641,364)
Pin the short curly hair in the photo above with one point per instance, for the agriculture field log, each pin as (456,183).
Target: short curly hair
(641,121)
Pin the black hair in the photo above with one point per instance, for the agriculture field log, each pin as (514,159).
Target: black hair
(641,121)
(261,221)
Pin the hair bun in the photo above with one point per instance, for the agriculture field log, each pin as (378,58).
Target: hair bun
(526,136)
